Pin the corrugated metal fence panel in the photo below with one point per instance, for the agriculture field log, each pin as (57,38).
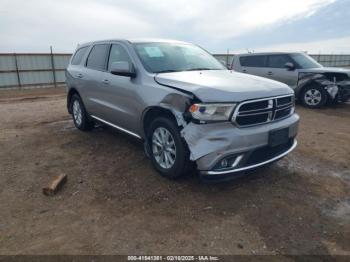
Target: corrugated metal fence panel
(333,60)
(60,76)
(34,62)
(38,67)
(61,61)
(40,77)
(7,62)
(33,69)
(8,79)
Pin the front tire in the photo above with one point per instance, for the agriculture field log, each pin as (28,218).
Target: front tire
(168,152)
(314,96)
(80,117)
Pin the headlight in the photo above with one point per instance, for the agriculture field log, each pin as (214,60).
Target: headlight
(211,112)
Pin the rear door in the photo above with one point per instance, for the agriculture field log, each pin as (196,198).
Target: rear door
(75,70)
(277,71)
(253,64)
(95,66)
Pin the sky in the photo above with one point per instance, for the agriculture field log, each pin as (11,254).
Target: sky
(315,26)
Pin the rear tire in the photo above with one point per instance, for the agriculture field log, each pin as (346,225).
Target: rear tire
(168,151)
(80,117)
(314,96)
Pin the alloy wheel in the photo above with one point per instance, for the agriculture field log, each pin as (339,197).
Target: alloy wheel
(77,113)
(163,147)
(312,97)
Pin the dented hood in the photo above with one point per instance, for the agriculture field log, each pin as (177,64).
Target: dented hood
(223,85)
(321,70)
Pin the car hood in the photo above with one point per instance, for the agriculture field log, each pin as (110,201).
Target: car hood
(321,70)
(223,85)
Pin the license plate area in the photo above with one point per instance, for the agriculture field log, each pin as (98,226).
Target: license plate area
(278,137)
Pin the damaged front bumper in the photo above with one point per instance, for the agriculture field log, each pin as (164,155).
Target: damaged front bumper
(289,147)
(344,93)
(241,149)
(340,92)
(337,85)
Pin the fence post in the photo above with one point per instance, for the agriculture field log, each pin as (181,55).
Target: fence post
(53,67)
(227,58)
(17,72)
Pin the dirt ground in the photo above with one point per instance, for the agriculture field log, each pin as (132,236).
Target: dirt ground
(115,203)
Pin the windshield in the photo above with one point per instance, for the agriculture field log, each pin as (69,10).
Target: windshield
(174,57)
(304,61)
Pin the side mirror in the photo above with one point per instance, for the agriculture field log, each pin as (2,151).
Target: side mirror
(289,66)
(123,68)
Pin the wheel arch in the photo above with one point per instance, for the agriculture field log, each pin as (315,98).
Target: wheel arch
(72,91)
(316,85)
(153,112)
(306,85)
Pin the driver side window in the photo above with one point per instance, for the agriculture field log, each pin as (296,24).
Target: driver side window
(278,61)
(118,54)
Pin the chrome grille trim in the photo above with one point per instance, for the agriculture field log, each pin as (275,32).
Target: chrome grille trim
(273,107)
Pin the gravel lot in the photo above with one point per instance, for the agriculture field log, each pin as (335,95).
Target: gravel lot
(115,203)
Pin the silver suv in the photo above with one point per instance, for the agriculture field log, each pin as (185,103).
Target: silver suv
(314,85)
(188,109)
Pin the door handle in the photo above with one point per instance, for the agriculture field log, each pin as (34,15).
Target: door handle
(80,75)
(105,81)
(270,73)
(244,71)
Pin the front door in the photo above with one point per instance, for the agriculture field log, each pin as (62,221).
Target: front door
(277,71)
(120,93)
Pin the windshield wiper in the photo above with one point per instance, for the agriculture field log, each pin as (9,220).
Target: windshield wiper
(191,69)
(167,71)
(199,69)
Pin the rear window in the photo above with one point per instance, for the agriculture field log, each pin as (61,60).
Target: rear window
(97,57)
(253,61)
(78,56)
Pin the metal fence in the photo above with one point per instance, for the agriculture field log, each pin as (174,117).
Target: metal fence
(325,60)
(45,70)
(333,60)
(32,70)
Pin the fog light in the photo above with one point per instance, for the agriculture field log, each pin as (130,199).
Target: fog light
(228,162)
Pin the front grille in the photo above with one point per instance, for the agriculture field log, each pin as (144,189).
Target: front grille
(252,119)
(283,112)
(255,105)
(282,101)
(262,111)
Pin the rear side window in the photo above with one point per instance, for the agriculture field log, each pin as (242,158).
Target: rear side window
(78,56)
(278,61)
(97,57)
(253,61)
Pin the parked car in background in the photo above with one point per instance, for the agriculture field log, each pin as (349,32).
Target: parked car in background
(314,85)
(187,107)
